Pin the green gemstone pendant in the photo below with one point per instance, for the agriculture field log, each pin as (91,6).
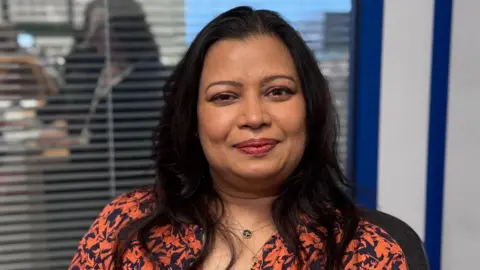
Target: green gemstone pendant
(247,234)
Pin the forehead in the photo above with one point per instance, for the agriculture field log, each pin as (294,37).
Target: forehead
(248,58)
(98,11)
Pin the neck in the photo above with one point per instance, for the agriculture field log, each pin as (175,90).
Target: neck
(240,190)
(248,211)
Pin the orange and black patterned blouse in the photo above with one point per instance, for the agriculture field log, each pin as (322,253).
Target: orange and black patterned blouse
(177,247)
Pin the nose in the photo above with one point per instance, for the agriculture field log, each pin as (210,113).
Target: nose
(254,113)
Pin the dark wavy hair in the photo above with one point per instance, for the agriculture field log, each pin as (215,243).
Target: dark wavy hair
(184,192)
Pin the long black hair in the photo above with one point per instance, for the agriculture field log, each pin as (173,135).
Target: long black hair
(183,188)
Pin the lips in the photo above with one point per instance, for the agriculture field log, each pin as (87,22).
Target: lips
(257,147)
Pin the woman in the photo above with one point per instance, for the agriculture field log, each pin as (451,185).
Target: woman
(246,166)
(126,64)
(130,58)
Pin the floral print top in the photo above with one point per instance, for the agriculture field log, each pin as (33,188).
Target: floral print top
(177,247)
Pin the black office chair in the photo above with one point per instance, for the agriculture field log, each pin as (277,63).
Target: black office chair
(405,236)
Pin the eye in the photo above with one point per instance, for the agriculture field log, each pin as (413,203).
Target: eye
(280,92)
(223,98)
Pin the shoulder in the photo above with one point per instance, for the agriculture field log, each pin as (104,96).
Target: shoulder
(133,205)
(373,248)
(123,209)
(97,245)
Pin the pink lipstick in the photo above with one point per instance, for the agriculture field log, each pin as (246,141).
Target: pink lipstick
(256,147)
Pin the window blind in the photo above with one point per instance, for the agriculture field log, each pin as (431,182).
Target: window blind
(70,141)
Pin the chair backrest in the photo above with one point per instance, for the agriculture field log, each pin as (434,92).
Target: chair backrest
(405,236)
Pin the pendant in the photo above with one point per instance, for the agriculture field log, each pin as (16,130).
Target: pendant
(247,234)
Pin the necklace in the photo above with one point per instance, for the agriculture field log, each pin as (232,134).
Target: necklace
(255,254)
(246,233)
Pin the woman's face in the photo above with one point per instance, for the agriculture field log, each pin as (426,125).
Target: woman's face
(96,29)
(251,113)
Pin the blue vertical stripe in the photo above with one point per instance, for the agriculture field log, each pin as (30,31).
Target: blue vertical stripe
(437,130)
(351,92)
(366,95)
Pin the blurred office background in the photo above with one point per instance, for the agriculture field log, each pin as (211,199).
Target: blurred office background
(78,103)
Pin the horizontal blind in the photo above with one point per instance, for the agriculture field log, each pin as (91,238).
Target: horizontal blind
(50,194)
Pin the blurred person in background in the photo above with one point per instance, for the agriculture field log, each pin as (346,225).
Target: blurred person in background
(247,173)
(115,54)
(126,65)
(22,74)
(25,84)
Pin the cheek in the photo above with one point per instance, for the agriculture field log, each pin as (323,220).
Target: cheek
(214,126)
(292,120)
(297,137)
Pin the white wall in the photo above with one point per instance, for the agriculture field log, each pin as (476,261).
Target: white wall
(461,223)
(404,110)
(404,124)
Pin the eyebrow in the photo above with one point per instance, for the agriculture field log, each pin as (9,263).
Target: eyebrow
(262,82)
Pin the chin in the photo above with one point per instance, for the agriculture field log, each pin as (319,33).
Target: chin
(257,176)
(258,171)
